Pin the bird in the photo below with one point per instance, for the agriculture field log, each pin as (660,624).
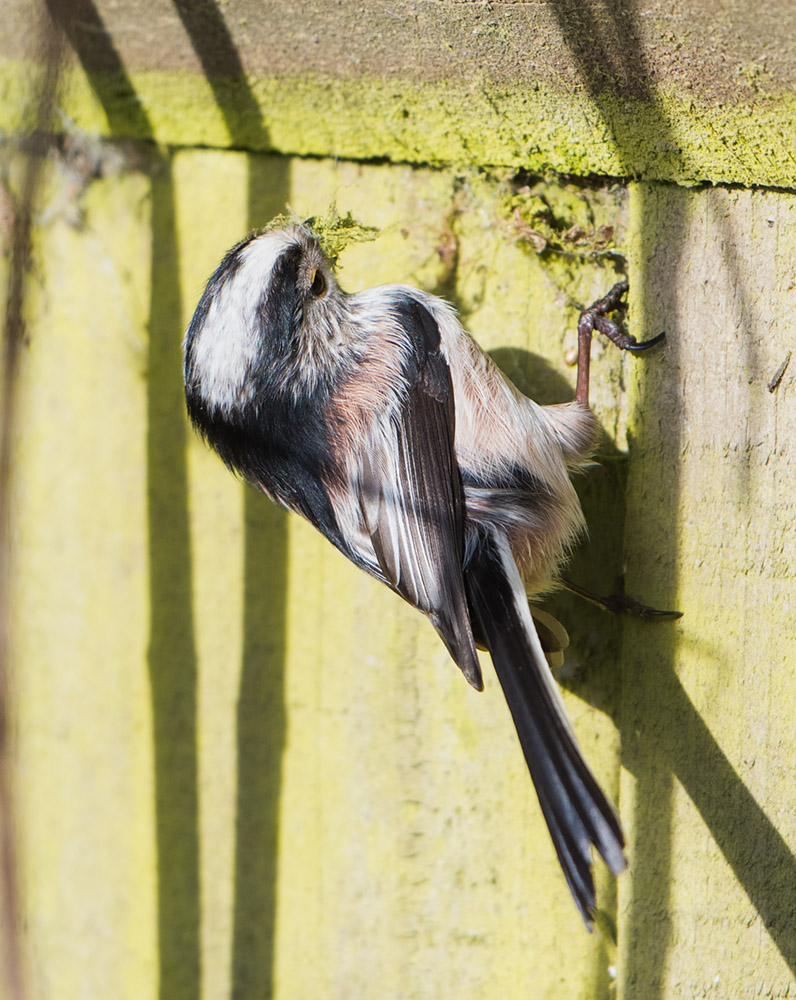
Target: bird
(380,420)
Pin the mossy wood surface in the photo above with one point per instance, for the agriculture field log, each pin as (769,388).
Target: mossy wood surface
(679,91)
(246,770)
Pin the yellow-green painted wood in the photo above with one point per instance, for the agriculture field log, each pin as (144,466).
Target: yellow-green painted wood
(665,135)
(709,906)
(244,768)
(83,722)
(682,91)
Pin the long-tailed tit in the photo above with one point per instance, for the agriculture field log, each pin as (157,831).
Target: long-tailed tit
(380,420)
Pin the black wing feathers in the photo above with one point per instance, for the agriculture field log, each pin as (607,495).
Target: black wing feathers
(415,513)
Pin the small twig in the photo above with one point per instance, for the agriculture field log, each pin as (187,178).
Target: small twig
(776,378)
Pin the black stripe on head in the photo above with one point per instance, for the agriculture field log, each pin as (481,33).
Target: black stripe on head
(278,310)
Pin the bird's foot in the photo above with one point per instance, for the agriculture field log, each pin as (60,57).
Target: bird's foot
(621,603)
(596,318)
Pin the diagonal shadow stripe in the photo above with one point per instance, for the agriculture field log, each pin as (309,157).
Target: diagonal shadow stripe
(223,68)
(171,653)
(608,50)
(261,718)
(678,743)
(751,844)
(609,57)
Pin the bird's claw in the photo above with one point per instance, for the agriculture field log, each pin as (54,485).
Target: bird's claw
(621,604)
(596,318)
(644,345)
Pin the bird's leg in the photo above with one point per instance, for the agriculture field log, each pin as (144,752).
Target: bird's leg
(620,603)
(596,318)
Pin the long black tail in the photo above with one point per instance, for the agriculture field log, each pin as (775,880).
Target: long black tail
(577,812)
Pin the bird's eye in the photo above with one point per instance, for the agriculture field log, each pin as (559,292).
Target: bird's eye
(318,285)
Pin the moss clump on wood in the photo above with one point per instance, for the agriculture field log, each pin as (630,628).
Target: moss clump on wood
(333,231)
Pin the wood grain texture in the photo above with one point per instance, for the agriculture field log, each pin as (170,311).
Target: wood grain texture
(687,91)
(707,721)
(246,769)
(246,766)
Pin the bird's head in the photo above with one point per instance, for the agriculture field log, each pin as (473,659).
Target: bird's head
(269,321)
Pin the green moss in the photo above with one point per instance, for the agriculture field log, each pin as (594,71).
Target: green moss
(540,130)
(335,232)
(557,220)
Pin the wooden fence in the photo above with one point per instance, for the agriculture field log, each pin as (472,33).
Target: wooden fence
(245,770)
